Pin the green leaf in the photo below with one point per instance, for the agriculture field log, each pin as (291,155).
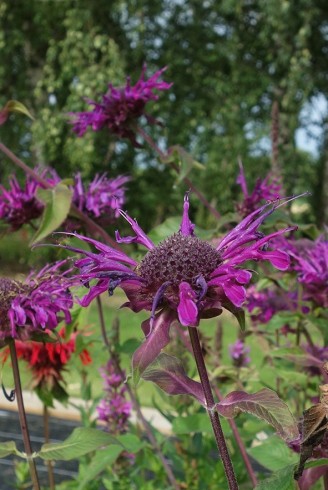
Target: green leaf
(57,203)
(81,441)
(273,454)
(15,106)
(192,423)
(165,229)
(103,459)
(131,442)
(282,480)
(264,404)
(129,346)
(316,462)
(280,319)
(9,447)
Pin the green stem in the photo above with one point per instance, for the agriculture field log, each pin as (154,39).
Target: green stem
(22,416)
(213,415)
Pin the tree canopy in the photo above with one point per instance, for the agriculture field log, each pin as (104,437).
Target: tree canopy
(242,72)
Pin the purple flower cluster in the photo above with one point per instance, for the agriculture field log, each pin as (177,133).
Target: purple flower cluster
(264,304)
(37,304)
(238,353)
(114,409)
(311,264)
(19,205)
(183,277)
(267,189)
(102,198)
(121,107)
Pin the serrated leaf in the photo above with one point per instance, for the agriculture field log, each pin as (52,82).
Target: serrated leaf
(282,480)
(81,441)
(99,463)
(57,203)
(266,405)
(273,454)
(9,447)
(169,374)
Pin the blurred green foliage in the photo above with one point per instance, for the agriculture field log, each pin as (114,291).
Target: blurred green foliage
(229,61)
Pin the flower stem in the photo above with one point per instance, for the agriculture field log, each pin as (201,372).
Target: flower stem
(325,481)
(231,422)
(46,440)
(92,226)
(213,415)
(135,402)
(186,180)
(240,444)
(22,416)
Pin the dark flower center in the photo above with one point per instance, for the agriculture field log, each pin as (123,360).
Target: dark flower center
(176,259)
(9,289)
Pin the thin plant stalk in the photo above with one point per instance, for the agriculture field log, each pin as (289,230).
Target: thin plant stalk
(240,444)
(186,180)
(325,481)
(213,415)
(91,225)
(135,402)
(231,422)
(46,432)
(22,416)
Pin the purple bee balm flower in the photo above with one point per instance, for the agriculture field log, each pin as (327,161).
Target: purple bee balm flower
(38,304)
(183,278)
(311,264)
(102,198)
(238,352)
(20,205)
(267,189)
(121,107)
(264,304)
(114,409)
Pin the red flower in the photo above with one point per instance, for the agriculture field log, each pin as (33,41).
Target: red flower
(47,363)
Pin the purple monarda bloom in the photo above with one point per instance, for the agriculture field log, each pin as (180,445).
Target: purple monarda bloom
(114,409)
(264,304)
(311,264)
(267,189)
(121,107)
(102,198)
(38,304)
(18,205)
(183,278)
(238,352)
